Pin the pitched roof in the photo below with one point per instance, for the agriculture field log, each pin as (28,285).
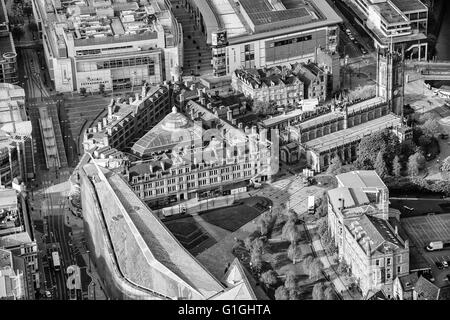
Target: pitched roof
(379,295)
(241,284)
(409,281)
(426,290)
(373,234)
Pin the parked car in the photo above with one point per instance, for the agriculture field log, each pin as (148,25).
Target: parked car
(363,50)
(443,136)
(445,264)
(439,265)
(351,37)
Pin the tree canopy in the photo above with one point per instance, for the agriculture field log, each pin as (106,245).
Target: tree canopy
(281,293)
(318,292)
(446,164)
(396,167)
(290,282)
(335,166)
(269,278)
(369,147)
(294,253)
(380,165)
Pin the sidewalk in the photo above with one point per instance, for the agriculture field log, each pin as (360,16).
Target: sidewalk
(339,283)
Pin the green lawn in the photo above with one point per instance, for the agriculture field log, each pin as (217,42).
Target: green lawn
(231,218)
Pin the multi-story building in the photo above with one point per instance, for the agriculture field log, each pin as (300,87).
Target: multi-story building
(394,21)
(198,156)
(17,234)
(16,141)
(14,278)
(260,33)
(129,120)
(358,212)
(135,254)
(8,55)
(277,84)
(315,80)
(112,43)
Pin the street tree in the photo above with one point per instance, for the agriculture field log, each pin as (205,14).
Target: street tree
(248,243)
(269,278)
(256,260)
(446,164)
(263,226)
(290,282)
(396,167)
(292,216)
(315,268)
(281,293)
(413,165)
(83,91)
(318,291)
(294,252)
(290,232)
(17,32)
(335,166)
(258,245)
(101,88)
(295,294)
(330,294)
(380,165)
(306,263)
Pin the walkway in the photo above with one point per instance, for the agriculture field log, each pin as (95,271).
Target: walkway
(196,53)
(340,284)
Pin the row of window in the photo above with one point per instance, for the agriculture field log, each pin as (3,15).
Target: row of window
(290,41)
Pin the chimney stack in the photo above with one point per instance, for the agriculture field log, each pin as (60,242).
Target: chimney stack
(130,100)
(240,125)
(199,92)
(396,230)
(136,95)
(105,122)
(233,122)
(229,115)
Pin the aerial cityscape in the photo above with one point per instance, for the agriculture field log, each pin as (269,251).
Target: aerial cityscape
(224,150)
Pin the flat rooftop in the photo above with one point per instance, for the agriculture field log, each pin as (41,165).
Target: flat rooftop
(352,134)
(147,253)
(246,20)
(389,13)
(407,6)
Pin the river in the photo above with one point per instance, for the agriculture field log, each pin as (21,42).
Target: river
(443,40)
